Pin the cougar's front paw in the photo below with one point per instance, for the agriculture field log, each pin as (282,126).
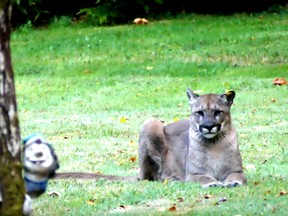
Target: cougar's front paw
(213,184)
(232,184)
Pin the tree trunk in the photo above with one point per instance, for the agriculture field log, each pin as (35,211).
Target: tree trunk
(11,181)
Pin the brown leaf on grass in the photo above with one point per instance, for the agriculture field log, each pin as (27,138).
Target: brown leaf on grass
(132,159)
(279,81)
(140,21)
(267,192)
(98,172)
(180,199)
(209,196)
(282,193)
(172,208)
(273,100)
(122,206)
(91,202)
(256,183)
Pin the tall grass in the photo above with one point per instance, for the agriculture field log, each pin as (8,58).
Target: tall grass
(89,89)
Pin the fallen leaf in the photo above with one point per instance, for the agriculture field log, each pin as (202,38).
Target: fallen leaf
(149,68)
(132,142)
(172,208)
(250,167)
(256,183)
(267,192)
(282,193)
(132,159)
(162,209)
(165,182)
(176,119)
(91,202)
(243,135)
(273,100)
(226,85)
(209,196)
(279,81)
(98,172)
(123,120)
(140,21)
(180,199)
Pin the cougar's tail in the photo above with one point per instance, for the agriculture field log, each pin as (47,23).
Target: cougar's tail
(87,176)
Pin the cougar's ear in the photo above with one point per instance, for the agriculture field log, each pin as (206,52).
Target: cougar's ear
(191,95)
(228,97)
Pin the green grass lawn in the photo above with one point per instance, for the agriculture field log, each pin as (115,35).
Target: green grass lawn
(88,90)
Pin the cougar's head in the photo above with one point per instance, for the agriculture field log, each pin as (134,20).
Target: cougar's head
(210,114)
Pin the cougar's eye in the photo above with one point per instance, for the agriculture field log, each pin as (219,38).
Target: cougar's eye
(200,113)
(217,112)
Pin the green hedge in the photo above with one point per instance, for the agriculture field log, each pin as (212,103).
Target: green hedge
(109,12)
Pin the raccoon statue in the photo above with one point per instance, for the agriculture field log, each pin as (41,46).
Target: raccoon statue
(40,163)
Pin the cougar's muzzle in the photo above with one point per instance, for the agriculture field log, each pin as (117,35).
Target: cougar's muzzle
(209,129)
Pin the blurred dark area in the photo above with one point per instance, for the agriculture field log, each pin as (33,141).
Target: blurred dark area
(42,11)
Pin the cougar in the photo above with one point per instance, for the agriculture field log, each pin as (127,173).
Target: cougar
(203,149)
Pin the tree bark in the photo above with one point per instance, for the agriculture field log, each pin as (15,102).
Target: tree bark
(11,181)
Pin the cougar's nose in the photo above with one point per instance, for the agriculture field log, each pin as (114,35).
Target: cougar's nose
(210,128)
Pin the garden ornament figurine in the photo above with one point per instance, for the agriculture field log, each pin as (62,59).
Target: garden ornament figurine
(40,163)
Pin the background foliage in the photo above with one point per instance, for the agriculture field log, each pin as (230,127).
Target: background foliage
(108,12)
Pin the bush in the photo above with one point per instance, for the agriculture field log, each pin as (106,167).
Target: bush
(110,12)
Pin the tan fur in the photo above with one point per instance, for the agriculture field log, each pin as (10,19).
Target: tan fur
(203,149)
